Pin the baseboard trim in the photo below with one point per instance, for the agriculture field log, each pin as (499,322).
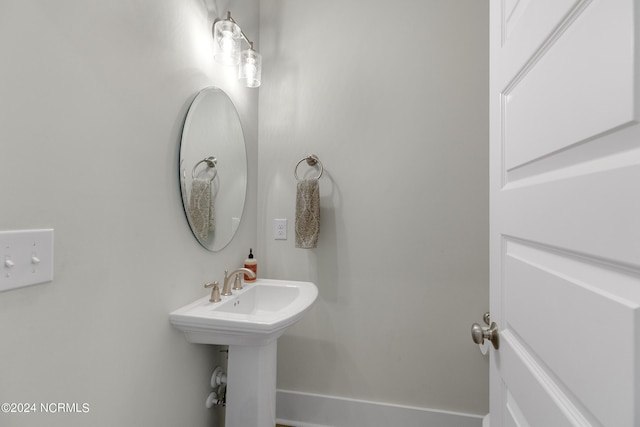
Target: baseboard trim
(312,410)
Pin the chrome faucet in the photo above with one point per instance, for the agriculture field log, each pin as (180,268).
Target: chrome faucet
(226,288)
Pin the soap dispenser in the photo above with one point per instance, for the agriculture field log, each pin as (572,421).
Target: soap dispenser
(252,264)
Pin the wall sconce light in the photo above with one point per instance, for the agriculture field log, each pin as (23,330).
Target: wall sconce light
(227,37)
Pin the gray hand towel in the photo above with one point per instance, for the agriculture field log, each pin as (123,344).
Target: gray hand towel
(201,213)
(307,213)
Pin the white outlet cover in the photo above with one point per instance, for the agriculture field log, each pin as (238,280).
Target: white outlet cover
(280,229)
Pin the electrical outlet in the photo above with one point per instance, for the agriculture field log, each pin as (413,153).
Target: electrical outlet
(280,229)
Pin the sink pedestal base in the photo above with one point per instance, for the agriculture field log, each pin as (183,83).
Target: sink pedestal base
(251,385)
(250,322)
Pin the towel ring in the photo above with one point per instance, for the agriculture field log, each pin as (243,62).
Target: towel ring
(312,160)
(211,162)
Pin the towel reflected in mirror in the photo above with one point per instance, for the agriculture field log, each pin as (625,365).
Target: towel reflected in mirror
(201,211)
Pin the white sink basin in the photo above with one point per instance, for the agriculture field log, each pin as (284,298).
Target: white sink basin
(255,315)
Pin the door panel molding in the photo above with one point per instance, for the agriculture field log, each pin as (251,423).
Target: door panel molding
(571,64)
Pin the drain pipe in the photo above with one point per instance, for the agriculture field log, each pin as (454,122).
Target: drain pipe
(219,384)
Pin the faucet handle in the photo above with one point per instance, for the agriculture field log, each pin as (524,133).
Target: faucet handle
(237,284)
(215,292)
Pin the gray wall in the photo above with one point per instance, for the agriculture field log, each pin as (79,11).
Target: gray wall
(393,100)
(93,95)
(92,99)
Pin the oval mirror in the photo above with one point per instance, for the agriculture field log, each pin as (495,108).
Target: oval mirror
(213,168)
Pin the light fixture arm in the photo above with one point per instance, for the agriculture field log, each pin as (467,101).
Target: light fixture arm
(244,36)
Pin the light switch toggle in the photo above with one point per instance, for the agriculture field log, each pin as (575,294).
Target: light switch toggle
(8,263)
(35,260)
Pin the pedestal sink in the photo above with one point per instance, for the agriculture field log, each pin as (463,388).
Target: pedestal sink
(249,322)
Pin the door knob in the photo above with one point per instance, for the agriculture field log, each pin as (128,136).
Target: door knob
(479,333)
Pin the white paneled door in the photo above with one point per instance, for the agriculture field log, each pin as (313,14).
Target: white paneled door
(565,212)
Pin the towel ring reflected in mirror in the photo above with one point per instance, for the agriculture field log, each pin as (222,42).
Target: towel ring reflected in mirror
(211,162)
(312,160)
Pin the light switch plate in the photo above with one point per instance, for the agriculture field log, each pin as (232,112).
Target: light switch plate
(26,258)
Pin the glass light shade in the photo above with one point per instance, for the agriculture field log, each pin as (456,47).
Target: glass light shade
(250,69)
(226,40)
